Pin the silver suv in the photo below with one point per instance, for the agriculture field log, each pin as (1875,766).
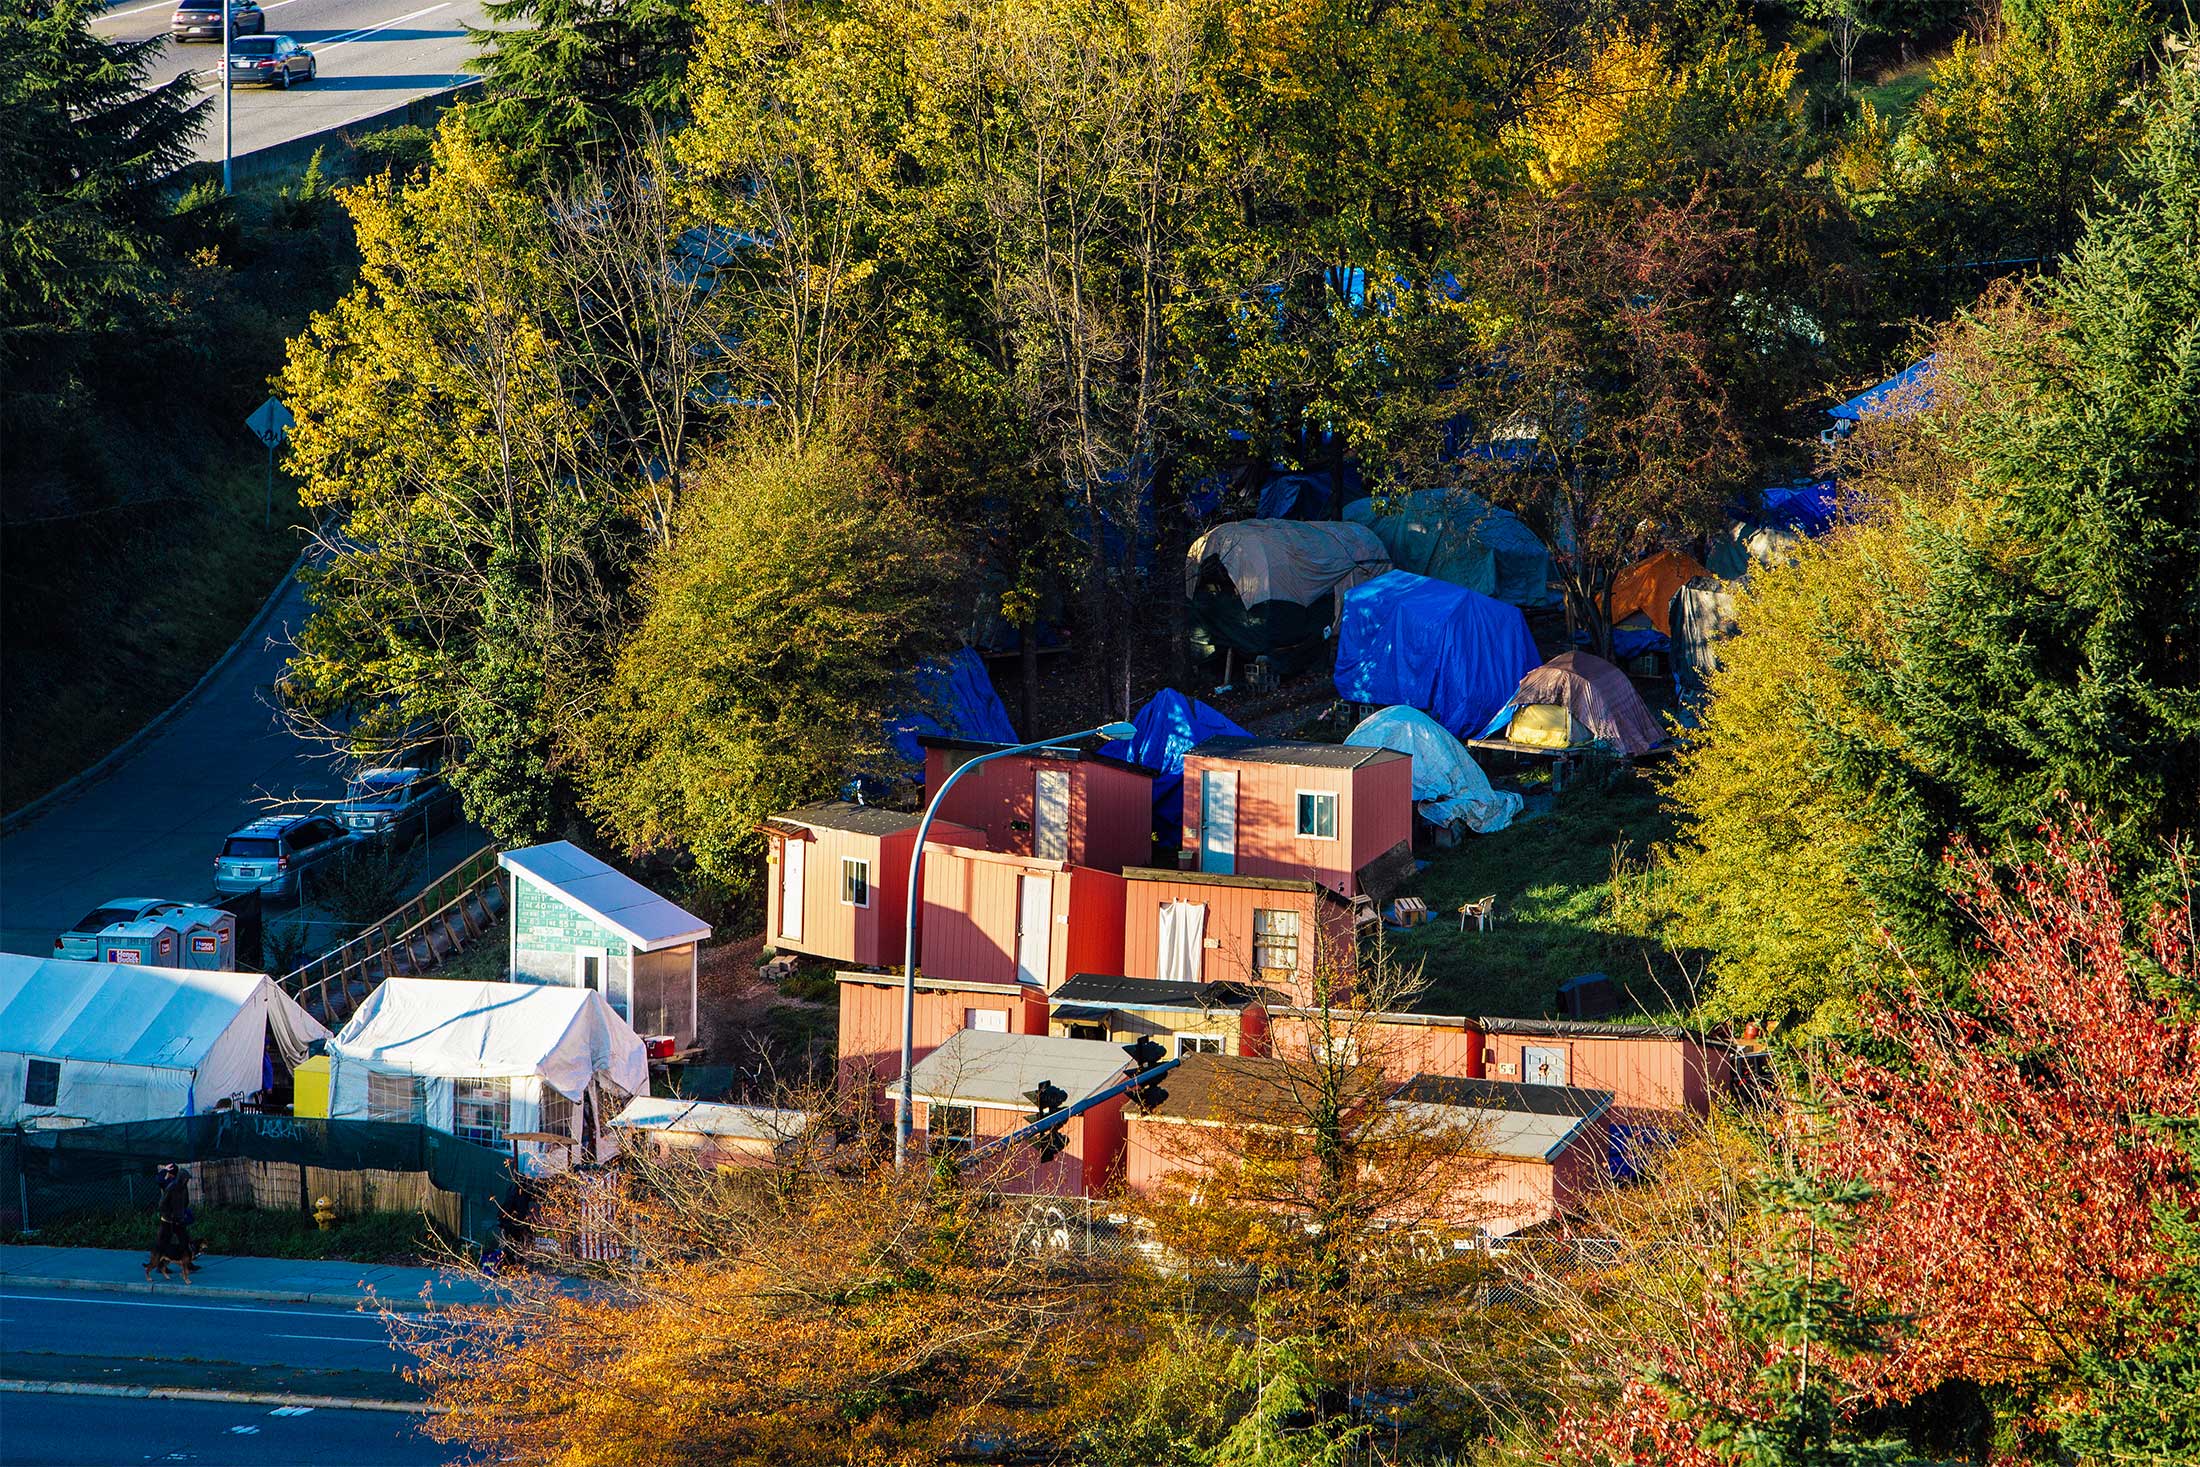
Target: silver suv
(274,855)
(392,806)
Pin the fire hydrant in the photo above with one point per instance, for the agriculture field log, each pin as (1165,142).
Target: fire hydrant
(324,1213)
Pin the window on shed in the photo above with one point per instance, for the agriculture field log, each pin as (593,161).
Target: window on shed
(855,882)
(1198,1044)
(951,1126)
(557,1113)
(396,1097)
(42,1082)
(1276,942)
(481,1111)
(1318,814)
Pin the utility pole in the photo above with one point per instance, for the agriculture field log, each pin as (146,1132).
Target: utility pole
(228,13)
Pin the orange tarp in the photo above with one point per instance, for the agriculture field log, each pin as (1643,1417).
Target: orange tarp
(1648,587)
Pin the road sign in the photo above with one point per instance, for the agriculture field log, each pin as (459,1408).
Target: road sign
(270,421)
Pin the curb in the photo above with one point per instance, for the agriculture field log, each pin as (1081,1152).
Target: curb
(192,1393)
(77,783)
(346,1298)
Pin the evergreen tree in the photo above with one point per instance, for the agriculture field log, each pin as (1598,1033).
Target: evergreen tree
(562,76)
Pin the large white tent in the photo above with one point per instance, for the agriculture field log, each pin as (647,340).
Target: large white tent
(488,1061)
(106,1043)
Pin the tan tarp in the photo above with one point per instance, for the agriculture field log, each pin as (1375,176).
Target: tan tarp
(1597,695)
(1288,560)
(1647,587)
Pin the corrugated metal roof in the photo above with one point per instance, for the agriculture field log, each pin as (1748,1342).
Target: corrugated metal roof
(1086,751)
(617,901)
(707,1118)
(1532,1122)
(979,1067)
(1212,878)
(1303,753)
(855,819)
(1249,1090)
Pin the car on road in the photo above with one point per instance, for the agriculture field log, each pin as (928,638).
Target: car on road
(391,806)
(269,61)
(276,855)
(197,20)
(82,940)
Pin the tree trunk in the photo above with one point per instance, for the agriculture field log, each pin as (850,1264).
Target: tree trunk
(1027,667)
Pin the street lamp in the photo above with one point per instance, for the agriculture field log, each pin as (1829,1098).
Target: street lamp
(227,80)
(915,902)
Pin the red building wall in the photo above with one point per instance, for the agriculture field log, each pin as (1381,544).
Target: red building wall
(870,1020)
(867,937)
(973,904)
(1110,805)
(1403,1047)
(1374,813)
(1653,1073)
(1325,928)
(1087,1167)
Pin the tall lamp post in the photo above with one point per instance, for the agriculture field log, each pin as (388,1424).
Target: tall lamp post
(228,8)
(906,1106)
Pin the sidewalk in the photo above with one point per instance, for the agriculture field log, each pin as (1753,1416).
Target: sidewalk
(271,1280)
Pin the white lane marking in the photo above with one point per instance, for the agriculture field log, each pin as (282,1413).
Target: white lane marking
(291,1411)
(148,1304)
(340,1339)
(344,40)
(244,1431)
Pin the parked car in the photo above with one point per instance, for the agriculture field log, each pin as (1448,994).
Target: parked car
(197,20)
(269,61)
(276,854)
(82,940)
(392,806)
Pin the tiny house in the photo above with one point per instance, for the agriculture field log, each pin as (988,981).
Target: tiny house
(711,1134)
(1069,805)
(1183,1018)
(870,1019)
(1217,1107)
(976,1088)
(1650,1069)
(837,880)
(1543,1148)
(1273,932)
(577,922)
(1401,1044)
(998,918)
(1289,808)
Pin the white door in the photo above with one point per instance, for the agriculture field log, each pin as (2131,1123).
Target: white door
(1542,1066)
(1218,821)
(1034,927)
(1050,814)
(791,865)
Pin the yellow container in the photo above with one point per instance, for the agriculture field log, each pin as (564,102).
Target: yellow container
(1546,726)
(310,1081)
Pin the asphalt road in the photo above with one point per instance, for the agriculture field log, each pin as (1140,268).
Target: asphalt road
(106,1431)
(374,55)
(84,1323)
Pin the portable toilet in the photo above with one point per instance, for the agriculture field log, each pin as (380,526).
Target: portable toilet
(153,942)
(209,938)
(309,1087)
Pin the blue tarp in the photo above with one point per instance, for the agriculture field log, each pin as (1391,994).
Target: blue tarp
(1807,509)
(1902,394)
(1169,724)
(955,698)
(1455,654)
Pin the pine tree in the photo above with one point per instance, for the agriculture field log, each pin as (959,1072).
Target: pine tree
(564,76)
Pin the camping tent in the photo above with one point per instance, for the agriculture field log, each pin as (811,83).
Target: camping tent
(1259,586)
(488,1060)
(113,1042)
(1169,724)
(1906,392)
(1575,700)
(1448,786)
(1703,616)
(1458,536)
(955,699)
(1448,651)
(1647,588)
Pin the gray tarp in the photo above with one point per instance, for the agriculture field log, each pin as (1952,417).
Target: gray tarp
(1703,616)
(1288,560)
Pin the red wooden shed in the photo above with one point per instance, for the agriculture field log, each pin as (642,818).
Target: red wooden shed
(1000,918)
(1285,807)
(1193,927)
(1649,1068)
(1069,805)
(974,1088)
(870,1019)
(1545,1148)
(837,879)
(1403,1044)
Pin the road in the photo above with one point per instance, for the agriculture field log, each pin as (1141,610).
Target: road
(373,54)
(112,1326)
(106,1431)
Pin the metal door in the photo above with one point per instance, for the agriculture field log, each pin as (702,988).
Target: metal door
(1050,814)
(1542,1066)
(790,889)
(1034,927)
(1218,821)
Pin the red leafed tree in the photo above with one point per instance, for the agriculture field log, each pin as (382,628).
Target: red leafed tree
(2013,1148)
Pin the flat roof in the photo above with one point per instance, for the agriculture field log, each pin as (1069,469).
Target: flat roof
(853,818)
(1527,1122)
(1594,1029)
(1065,753)
(617,901)
(1305,753)
(936,985)
(980,1067)
(1248,1089)
(1107,991)
(1216,878)
(709,1118)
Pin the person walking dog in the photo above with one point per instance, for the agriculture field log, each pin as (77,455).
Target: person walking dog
(172,1242)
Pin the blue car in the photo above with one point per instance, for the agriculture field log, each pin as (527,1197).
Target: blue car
(82,941)
(277,854)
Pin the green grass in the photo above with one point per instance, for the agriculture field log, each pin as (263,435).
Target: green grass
(1895,95)
(1553,880)
(243,1232)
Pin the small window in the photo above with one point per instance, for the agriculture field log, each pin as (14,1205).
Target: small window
(1275,942)
(1198,1044)
(481,1111)
(42,1082)
(1318,814)
(557,1113)
(1088,1031)
(855,882)
(396,1097)
(250,849)
(951,1127)
(986,1021)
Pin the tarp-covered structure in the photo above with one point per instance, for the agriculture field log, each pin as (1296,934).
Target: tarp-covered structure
(1260,586)
(1770,532)
(1703,617)
(955,699)
(1449,788)
(1573,701)
(1458,536)
(1907,391)
(107,1043)
(1169,724)
(1646,588)
(1453,653)
(488,1061)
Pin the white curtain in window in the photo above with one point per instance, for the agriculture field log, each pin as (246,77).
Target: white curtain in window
(1183,930)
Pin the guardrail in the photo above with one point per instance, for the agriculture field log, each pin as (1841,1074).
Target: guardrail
(454,909)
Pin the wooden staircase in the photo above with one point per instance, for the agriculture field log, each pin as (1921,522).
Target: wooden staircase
(459,908)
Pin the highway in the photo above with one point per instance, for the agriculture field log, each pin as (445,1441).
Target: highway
(118,1327)
(104,1431)
(373,54)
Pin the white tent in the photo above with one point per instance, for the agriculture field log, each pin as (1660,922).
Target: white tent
(112,1042)
(488,1061)
(1448,785)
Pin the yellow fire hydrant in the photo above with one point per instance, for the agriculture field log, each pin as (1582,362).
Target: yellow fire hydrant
(324,1213)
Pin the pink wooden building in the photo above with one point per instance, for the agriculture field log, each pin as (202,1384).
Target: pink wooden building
(1068,805)
(1268,931)
(1650,1069)
(999,918)
(837,879)
(1545,1148)
(870,1019)
(1403,1044)
(975,1088)
(1287,808)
